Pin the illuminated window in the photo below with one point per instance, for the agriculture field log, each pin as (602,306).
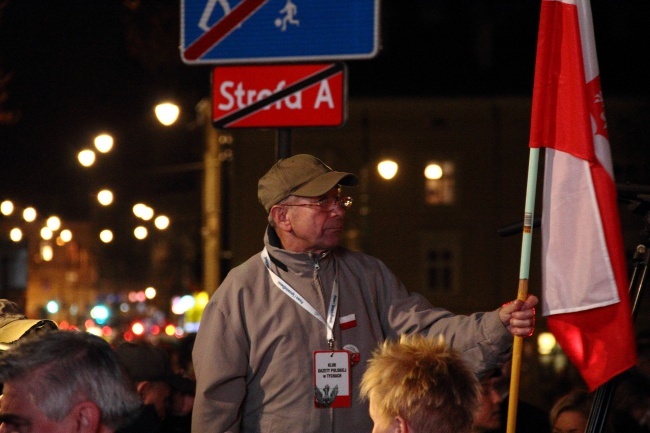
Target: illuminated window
(439,183)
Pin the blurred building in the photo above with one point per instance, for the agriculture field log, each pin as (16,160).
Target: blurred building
(42,271)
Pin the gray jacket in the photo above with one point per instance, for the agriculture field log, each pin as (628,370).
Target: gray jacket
(253,354)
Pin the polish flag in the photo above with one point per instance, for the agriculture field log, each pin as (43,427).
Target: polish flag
(584,281)
(349,321)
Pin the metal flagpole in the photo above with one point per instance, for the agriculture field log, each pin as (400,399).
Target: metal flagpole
(522,292)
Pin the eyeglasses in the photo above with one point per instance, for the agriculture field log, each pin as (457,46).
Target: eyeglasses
(327,204)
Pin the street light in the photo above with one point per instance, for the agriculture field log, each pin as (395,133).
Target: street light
(105,197)
(167,113)
(65,235)
(147,213)
(104,143)
(387,169)
(161,222)
(46,233)
(6,207)
(16,234)
(143,211)
(86,157)
(47,253)
(106,236)
(433,171)
(53,223)
(140,232)
(29,214)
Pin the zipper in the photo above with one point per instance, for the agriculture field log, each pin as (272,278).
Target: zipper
(318,282)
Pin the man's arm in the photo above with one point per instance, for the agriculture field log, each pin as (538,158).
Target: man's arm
(485,339)
(220,365)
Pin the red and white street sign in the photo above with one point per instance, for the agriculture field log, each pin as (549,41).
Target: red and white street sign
(279,96)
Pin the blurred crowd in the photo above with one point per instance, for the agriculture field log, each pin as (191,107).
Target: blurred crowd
(139,386)
(74,366)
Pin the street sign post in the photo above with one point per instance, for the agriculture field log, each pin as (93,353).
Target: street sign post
(272,31)
(279,96)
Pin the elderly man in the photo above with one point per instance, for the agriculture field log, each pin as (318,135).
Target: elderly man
(284,341)
(64,382)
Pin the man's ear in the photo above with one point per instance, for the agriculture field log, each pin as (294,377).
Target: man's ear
(279,215)
(401,425)
(87,417)
(142,388)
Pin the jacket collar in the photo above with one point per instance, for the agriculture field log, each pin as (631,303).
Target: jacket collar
(289,260)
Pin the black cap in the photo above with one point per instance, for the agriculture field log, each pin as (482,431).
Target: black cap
(144,362)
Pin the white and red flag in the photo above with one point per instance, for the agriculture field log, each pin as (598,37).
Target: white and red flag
(585,283)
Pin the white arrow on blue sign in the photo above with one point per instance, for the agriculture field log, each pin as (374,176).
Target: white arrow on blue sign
(268,31)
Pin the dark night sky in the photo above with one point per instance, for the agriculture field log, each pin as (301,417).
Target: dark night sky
(81,66)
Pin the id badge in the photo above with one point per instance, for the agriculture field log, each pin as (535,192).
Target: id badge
(332,378)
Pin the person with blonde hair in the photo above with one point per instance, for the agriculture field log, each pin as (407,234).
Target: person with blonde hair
(570,413)
(418,385)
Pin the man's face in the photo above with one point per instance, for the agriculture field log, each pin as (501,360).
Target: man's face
(157,393)
(20,413)
(570,421)
(488,416)
(313,229)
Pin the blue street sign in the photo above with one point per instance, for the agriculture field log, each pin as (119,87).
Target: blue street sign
(266,31)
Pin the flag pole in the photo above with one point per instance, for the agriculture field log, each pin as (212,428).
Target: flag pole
(522,291)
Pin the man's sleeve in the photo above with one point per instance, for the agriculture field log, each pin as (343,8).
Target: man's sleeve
(481,337)
(220,365)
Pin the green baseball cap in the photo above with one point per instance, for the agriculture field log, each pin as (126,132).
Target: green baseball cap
(303,175)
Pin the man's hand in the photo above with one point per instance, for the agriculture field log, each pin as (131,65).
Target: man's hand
(519,316)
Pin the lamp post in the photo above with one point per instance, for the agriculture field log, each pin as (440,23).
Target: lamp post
(213,234)
(211,200)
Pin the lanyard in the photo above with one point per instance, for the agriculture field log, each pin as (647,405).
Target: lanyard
(295,296)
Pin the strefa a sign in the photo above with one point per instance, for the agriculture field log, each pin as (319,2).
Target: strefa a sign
(279,96)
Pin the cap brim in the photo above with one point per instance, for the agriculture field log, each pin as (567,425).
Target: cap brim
(322,184)
(12,331)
